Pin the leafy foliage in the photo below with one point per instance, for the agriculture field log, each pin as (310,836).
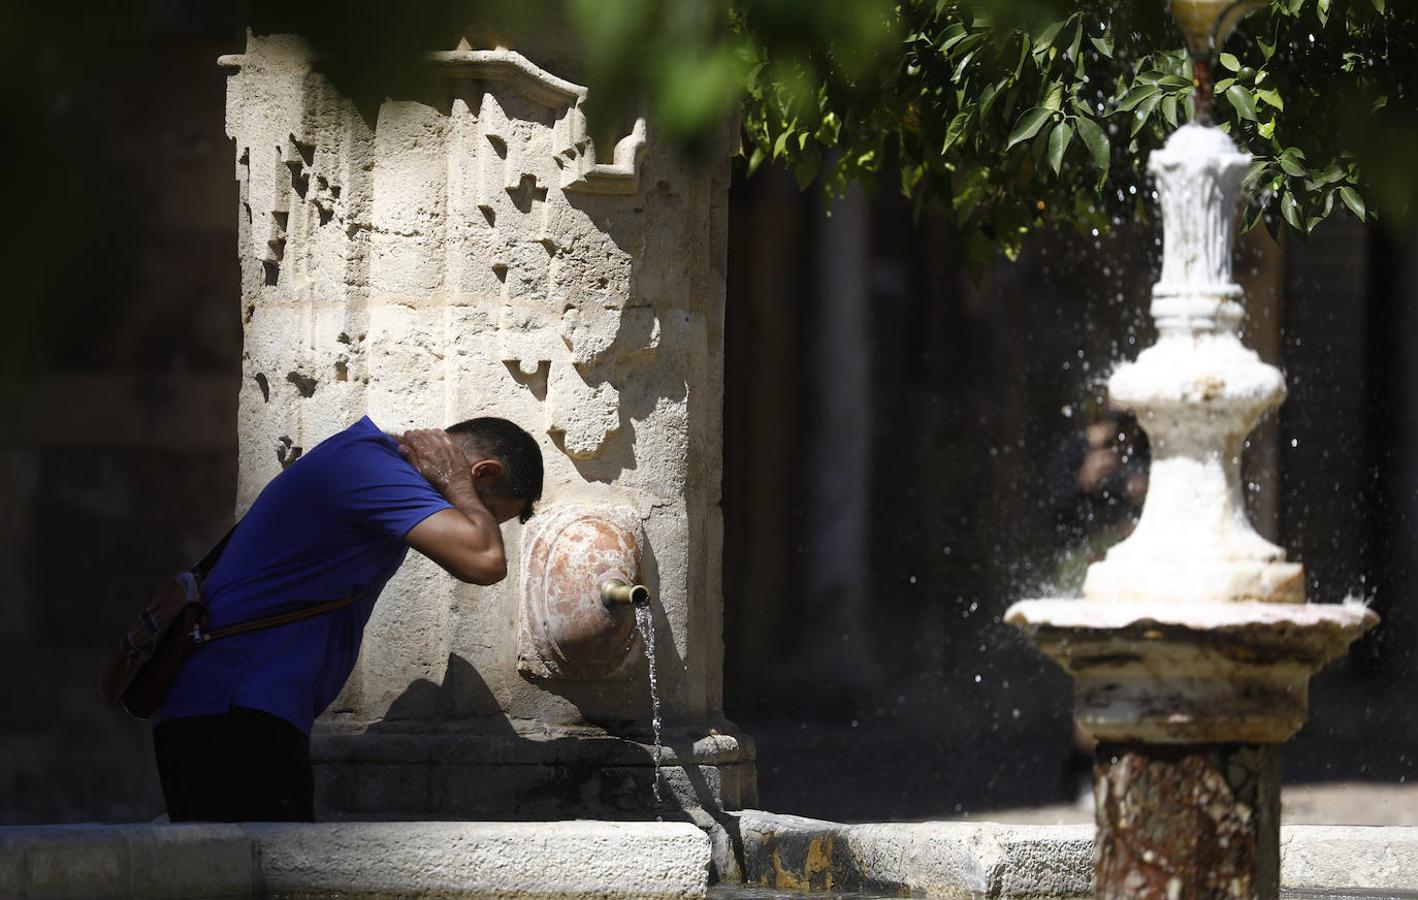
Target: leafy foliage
(1014,114)
(1017,121)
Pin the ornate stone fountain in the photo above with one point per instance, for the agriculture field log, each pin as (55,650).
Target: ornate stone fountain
(1192,646)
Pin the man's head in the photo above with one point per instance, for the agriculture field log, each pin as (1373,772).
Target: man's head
(506,465)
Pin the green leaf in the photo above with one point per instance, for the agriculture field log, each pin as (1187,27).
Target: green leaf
(1290,209)
(1223,85)
(807,168)
(1023,56)
(910,177)
(1096,141)
(987,99)
(1290,163)
(1266,50)
(1136,96)
(1072,51)
(1253,172)
(1144,112)
(970,43)
(1103,45)
(1230,62)
(1058,144)
(1266,129)
(781,144)
(953,35)
(1241,100)
(1322,10)
(1254,216)
(960,68)
(1028,125)
(755,160)
(1352,200)
(956,128)
(1330,174)
(1045,38)
(1272,96)
(1054,101)
(1169,110)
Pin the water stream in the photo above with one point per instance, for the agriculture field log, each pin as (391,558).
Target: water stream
(645,621)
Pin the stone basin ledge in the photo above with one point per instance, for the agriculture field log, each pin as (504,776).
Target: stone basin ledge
(1168,672)
(579,859)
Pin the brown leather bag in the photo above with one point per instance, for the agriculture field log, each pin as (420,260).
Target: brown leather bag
(169,630)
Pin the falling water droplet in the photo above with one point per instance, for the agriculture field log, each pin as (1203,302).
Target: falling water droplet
(646,623)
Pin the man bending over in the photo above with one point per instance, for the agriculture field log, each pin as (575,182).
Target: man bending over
(232,738)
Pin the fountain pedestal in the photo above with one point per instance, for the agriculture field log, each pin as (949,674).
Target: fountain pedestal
(1192,646)
(1187,820)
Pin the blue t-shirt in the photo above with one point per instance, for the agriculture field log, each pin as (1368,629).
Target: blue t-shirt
(329,526)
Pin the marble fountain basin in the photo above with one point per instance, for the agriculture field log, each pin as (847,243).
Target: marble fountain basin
(1165,672)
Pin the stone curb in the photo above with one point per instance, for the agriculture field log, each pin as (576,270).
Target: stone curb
(605,860)
(962,859)
(934,859)
(1359,860)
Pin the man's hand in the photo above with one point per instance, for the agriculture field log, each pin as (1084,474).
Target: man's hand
(440,460)
(466,540)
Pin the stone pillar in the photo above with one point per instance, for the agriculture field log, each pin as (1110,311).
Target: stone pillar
(469,252)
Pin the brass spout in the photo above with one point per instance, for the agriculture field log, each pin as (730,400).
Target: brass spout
(615,592)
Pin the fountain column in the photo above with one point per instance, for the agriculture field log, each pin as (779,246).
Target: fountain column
(1192,646)
(462,248)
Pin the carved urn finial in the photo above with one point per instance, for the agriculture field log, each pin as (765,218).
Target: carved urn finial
(1207,24)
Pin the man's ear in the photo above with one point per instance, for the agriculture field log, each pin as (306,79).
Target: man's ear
(486,472)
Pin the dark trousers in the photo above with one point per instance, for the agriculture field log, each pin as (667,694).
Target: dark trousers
(245,765)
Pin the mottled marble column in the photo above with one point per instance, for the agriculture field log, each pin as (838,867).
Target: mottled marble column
(1187,821)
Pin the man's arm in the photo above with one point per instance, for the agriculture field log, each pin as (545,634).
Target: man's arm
(466,540)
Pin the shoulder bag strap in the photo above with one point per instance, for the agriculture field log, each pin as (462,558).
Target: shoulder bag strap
(280,619)
(204,568)
(209,562)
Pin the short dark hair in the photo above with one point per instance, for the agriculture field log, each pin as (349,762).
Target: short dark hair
(506,442)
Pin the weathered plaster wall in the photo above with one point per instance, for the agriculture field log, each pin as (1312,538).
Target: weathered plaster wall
(467,252)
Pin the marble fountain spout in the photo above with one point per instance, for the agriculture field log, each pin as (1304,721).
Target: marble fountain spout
(580,592)
(582,605)
(1193,644)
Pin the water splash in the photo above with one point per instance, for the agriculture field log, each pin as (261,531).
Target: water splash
(645,621)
